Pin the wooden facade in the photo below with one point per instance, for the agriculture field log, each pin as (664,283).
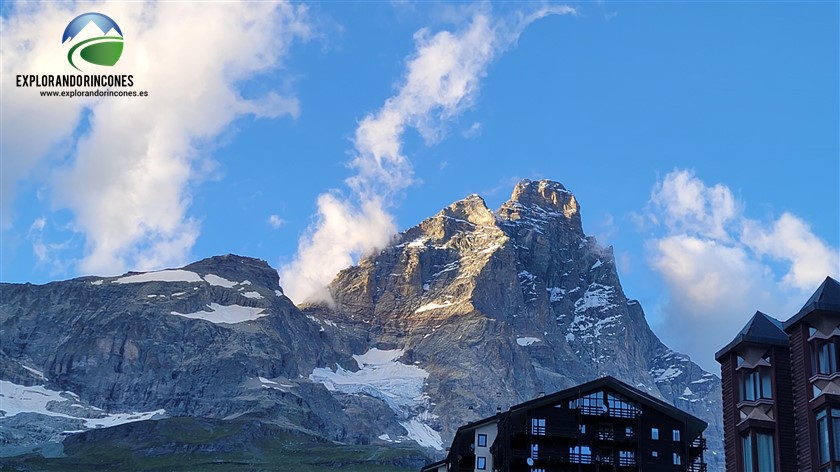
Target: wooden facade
(814,334)
(781,390)
(603,425)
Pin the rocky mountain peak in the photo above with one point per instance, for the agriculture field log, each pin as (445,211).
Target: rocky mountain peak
(468,311)
(546,194)
(471,209)
(234,267)
(542,201)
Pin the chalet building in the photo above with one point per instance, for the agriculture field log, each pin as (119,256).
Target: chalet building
(602,425)
(781,390)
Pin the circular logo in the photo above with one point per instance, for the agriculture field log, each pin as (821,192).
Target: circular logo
(94,39)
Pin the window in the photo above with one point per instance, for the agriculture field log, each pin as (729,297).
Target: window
(654,433)
(481,463)
(626,458)
(580,455)
(538,426)
(676,435)
(535,451)
(628,432)
(482,440)
(828,434)
(654,454)
(824,356)
(766,457)
(746,445)
(755,384)
(677,459)
(758,450)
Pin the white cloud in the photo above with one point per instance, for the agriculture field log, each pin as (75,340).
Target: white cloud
(686,204)
(790,239)
(473,131)
(129,180)
(275,221)
(718,266)
(441,80)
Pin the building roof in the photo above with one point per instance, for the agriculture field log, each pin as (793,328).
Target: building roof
(826,298)
(483,421)
(760,329)
(692,422)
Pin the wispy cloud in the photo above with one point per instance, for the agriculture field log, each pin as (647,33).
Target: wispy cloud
(47,254)
(134,162)
(719,266)
(441,80)
(275,221)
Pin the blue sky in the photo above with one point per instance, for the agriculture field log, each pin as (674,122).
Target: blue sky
(700,138)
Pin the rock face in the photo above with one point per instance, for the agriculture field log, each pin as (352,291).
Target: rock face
(500,306)
(469,311)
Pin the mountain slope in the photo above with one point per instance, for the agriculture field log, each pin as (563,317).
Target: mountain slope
(469,311)
(499,306)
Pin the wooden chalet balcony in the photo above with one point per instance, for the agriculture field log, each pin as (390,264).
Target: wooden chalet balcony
(696,467)
(699,443)
(626,413)
(557,457)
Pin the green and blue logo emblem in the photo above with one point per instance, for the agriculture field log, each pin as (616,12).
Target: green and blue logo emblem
(95,39)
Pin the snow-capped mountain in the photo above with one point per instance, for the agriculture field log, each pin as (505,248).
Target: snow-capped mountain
(469,311)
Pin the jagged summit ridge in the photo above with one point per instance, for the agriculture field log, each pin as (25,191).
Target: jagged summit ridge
(546,194)
(499,306)
(470,310)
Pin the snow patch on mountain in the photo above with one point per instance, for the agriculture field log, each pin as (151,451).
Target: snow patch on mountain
(597,296)
(555,294)
(170,275)
(227,314)
(527,341)
(665,375)
(381,376)
(218,281)
(38,399)
(433,306)
(37,373)
(423,434)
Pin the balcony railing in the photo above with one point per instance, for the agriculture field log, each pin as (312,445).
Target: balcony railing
(606,436)
(696,467)
(626,461)
(558,457)
(699,443)
(629,413)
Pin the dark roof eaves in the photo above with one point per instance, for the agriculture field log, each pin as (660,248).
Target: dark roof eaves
(476,424)
(742,339)
(807,310)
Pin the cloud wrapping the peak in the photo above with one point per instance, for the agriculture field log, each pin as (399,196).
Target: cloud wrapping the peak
(441,80)
(719,267)
(133,164)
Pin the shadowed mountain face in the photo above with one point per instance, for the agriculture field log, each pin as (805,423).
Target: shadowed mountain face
(469,311)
